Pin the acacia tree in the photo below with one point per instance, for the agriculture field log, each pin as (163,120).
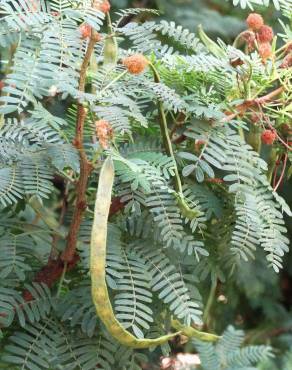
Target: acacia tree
(157,169)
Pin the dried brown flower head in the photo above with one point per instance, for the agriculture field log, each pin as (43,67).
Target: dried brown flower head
(104,132)
(265,51)
(85,30)
(103,6)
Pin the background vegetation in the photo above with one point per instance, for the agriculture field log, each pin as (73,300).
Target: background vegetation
(255,300)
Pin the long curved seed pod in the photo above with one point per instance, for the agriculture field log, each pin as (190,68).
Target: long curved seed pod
(191,332)
(98,266)
(186,211)
(210,44)
(98,263)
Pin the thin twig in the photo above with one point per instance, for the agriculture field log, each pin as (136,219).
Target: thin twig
(243,107)
(282,172)
(278,136)
(165,134)
(275,171)
(240,109)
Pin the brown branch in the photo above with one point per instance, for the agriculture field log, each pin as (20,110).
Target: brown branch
(264,99)
(51,273)
(85,166)
(243,107)
(240,109)
(276,166)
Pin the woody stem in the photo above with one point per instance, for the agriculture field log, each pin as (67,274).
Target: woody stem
(85,166)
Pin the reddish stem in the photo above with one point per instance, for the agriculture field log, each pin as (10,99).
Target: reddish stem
(275,173)
(241,109)
(282,173)
(85,166)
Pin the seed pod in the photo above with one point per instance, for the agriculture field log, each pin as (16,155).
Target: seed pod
(185,210)
(99,290)
(210,44)
(110,52)
(98,264)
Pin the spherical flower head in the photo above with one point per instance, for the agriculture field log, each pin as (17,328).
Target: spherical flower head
(265,34)
(268,137)
(135,64)
(104,132)
(103,6)
(254,21)
(85,30)
(265,51)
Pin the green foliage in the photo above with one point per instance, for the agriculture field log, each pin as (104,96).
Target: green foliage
(227,354)
(161,259)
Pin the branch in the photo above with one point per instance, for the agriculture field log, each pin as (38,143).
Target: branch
(240,109)
(51,273)
(282,172)
(85,166)
(243,107)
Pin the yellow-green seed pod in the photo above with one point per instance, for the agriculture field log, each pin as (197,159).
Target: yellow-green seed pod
(99,290)
(185,210)
(210,44)
(110,52)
